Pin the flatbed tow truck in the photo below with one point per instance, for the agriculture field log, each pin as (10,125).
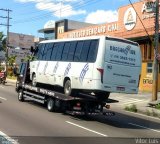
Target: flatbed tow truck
(56,101)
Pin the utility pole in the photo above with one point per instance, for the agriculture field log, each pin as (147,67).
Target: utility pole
(156,54)
(7,41)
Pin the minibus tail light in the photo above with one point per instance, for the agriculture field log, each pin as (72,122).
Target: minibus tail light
(101,72)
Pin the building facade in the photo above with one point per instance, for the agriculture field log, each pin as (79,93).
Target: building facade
(19,45)
(48,30)
(135,22)
(52,29)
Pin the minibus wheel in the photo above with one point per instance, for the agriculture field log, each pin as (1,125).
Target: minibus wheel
(67,88)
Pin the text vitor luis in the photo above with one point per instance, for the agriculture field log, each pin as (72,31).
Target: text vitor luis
(147,140)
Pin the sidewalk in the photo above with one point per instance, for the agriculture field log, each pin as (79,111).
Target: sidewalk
(140,100)
(11,81)
(146,109)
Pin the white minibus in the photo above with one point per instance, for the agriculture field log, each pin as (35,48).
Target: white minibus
(97,65)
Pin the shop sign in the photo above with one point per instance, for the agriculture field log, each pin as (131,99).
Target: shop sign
(94,31)
(147,83)
(148,7)
(130,19)
(112,27)
(88,32)
(148,10)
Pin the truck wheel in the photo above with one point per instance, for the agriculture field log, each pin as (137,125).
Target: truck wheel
(50,104)
(20,96)
(67,88)
(34,81)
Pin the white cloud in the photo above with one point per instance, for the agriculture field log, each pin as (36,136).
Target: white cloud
(36,1)
(101,16)
(57,7)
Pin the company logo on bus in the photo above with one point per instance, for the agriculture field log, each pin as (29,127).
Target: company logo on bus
(83,72)
(123,50)
(67,69)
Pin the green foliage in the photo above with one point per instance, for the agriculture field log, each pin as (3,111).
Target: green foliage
(29,58)
(11,77)
(158,106)
(3,40)
(132,108)
(154,113)
(11,60)
(151,113)
(1,36)
(1,68)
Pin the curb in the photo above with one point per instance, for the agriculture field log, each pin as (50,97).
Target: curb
(150,112)
(144,113)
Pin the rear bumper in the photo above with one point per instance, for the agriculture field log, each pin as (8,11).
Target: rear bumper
(120,89)
(98,86)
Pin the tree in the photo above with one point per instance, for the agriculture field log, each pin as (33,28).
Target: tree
(11,60)
(2,41)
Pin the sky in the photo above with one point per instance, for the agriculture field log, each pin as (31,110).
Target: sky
(28,16)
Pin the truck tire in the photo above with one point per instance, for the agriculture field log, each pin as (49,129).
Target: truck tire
(50,105)
(20,96)
(34,82)
(67,88)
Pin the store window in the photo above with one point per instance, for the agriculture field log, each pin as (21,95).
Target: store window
(149,67)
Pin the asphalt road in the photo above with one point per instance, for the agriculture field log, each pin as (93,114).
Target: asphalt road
(29,122)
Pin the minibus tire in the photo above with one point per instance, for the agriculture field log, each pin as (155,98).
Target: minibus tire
(67,88)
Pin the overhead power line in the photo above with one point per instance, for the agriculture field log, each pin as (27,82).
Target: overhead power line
(141,22)
(7,25)
(40,17)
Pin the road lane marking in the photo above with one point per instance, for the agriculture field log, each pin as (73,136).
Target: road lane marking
(143,127)
(7,139)
(86,129)
(3,98)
